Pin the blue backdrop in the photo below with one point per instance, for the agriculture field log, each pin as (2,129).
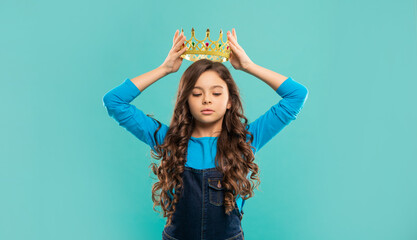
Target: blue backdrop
(344,169)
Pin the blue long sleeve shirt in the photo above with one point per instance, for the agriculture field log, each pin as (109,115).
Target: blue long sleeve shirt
(202,151)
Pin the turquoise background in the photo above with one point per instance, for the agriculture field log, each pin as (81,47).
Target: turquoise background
(345,169)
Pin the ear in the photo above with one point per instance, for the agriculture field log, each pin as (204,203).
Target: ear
(229,104)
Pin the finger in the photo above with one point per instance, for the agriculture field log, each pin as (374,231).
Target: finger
(233,42)
(237,45)
(234,34)
(180,52)
(181,38)
(178,46)
(175,37)
(231,37)
(236,48)
(232,47)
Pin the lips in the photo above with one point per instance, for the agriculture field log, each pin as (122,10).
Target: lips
(207,111)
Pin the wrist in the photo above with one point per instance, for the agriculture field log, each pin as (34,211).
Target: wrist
(248,67)
(164,69)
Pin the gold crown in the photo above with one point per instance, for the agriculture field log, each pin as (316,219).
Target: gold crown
(201,49)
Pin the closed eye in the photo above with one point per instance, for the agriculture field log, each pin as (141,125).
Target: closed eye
(217,94)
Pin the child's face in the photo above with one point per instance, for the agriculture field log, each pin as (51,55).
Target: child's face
(207,94)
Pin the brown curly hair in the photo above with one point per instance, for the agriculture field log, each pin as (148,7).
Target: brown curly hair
(234,157)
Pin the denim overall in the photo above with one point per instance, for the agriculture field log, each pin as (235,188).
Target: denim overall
(200,214)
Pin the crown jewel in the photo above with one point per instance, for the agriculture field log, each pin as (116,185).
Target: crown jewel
(217,51)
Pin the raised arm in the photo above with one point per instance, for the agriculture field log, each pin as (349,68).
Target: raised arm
(117,101)
(294,95)
(281,114)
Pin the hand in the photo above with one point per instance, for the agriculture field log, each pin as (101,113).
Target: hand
(238,57)
(173,61)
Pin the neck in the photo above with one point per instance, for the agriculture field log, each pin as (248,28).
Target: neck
(207,130)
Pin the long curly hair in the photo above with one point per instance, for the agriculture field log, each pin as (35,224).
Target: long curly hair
(234,157)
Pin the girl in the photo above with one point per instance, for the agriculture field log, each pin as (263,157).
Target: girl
(207,167)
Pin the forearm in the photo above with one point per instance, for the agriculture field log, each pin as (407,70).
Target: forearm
(143,81)
(273,79)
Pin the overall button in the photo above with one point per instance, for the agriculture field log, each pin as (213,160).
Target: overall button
(216,194)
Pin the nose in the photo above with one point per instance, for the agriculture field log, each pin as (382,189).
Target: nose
(206,100)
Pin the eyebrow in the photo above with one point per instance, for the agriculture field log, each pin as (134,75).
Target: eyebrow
(210,87)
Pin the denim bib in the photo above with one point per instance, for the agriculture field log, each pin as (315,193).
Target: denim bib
(200,214)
